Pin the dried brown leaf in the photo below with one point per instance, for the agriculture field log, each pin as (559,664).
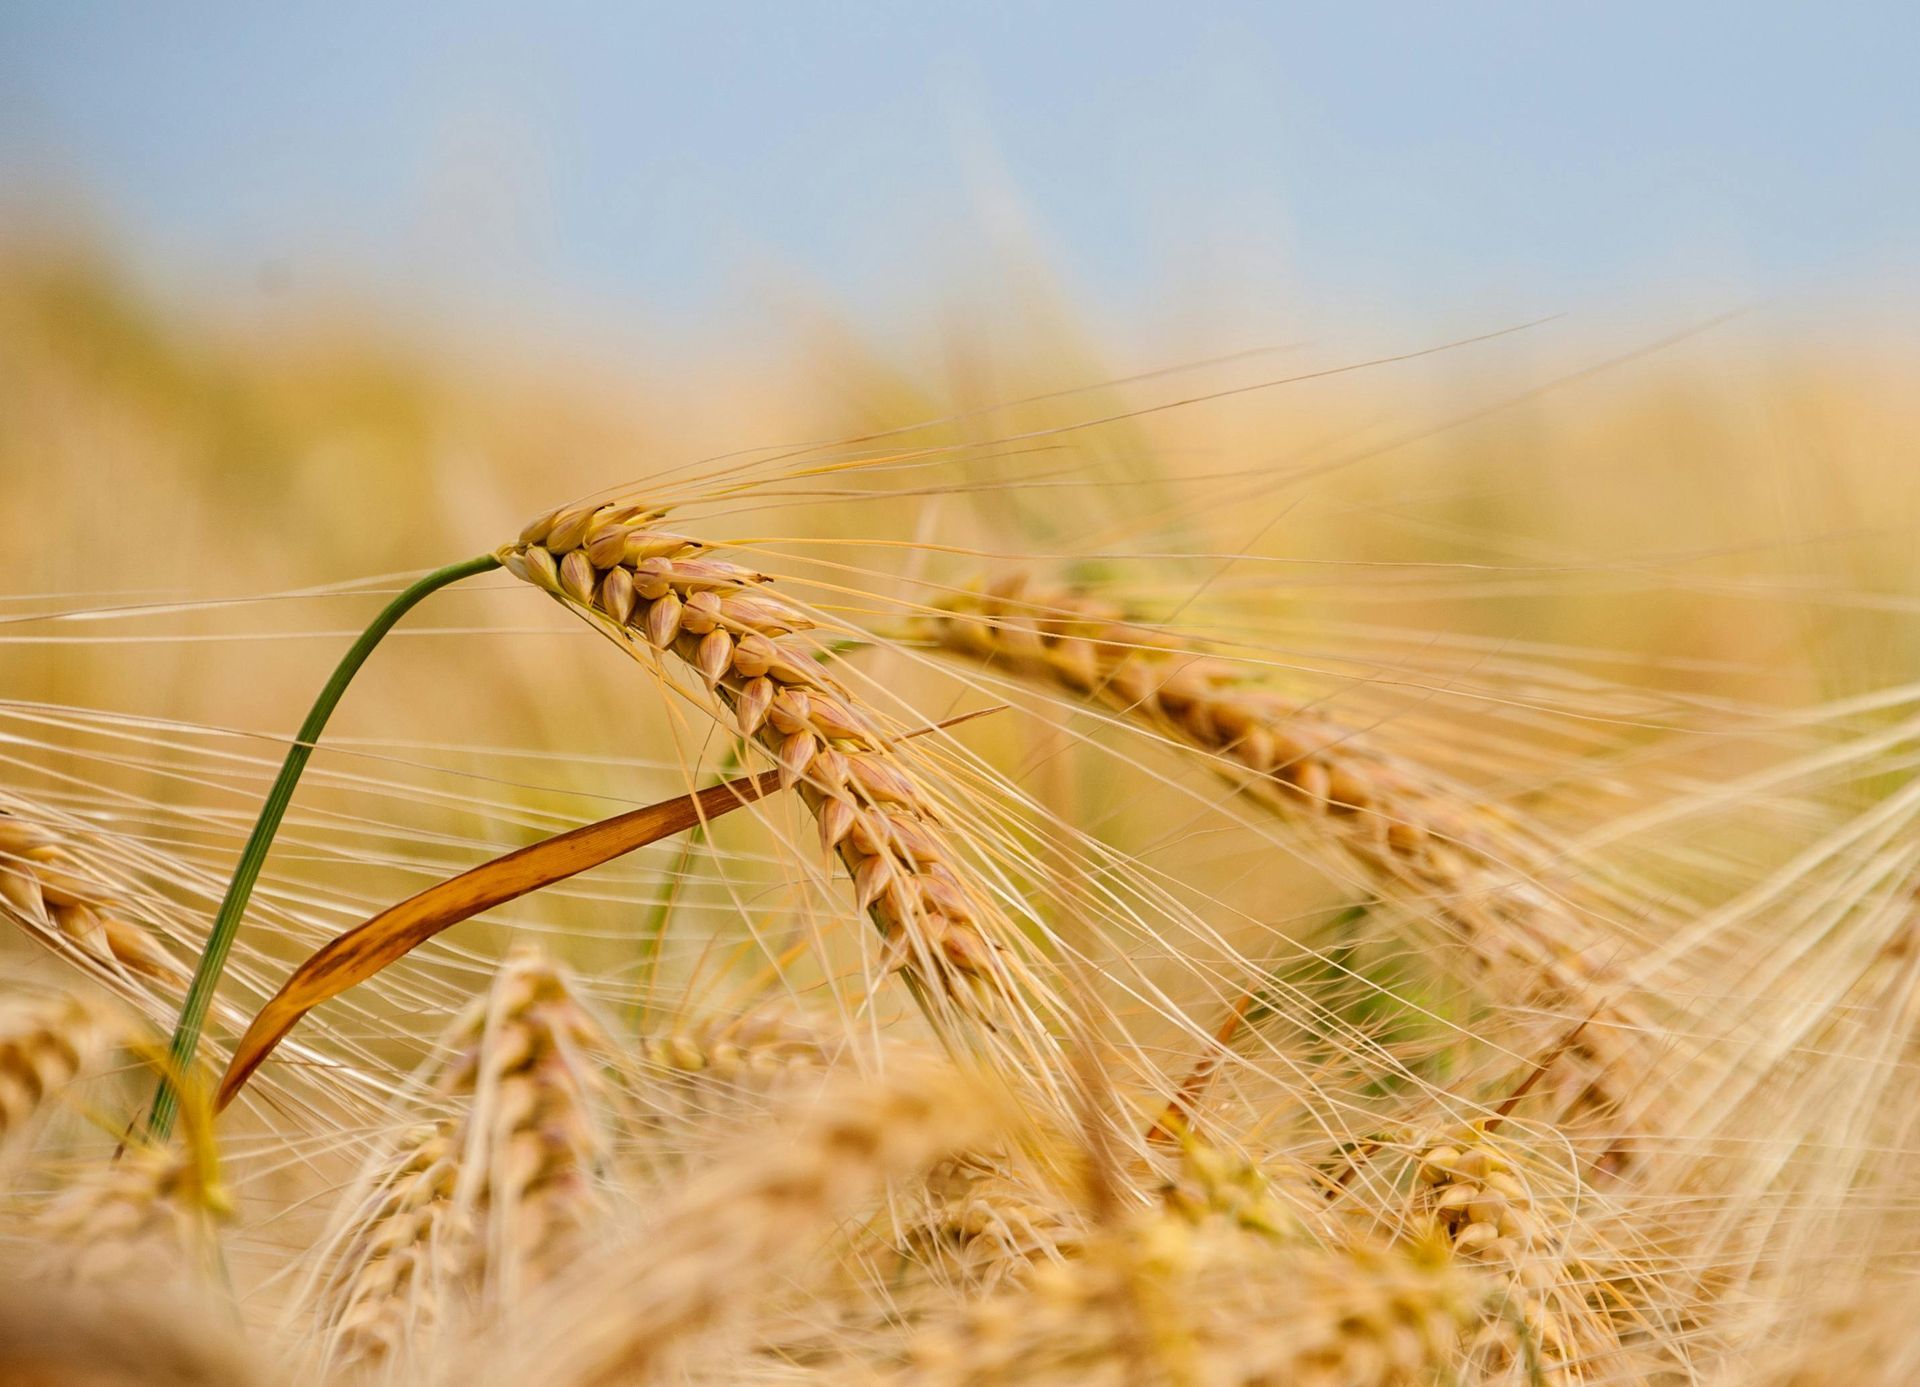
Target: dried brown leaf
(363,951)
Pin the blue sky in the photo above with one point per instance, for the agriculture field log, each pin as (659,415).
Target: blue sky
(653,163)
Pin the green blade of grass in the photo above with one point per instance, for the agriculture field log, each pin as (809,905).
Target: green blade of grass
(226,924)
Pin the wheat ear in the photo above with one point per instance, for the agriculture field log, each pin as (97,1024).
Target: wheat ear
(761,1044)
(1407,828)
(1161,1299)
(652,590)
(145,1215)
(390,1280)
(496,1200)
(527,1059)
(1471,1191)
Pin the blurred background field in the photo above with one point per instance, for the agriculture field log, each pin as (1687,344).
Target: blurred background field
(1610,561)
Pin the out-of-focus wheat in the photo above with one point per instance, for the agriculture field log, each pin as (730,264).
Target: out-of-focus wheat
(148,1215)
(60,899)
(45,1042)
(118,1336)
(1169,1301)
(389,1286)
(482,1208)
(1426,840)
(745,1221)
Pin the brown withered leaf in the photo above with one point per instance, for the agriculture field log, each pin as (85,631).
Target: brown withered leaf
(364,950)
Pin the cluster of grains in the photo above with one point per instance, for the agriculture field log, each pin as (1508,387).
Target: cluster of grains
(659,591)
(1471,1193)
(743,1223)
(1276,1200)
(55,896)
(391,1281)
(988,1224)
(705,1072)
(528,1059)
(757,1046)
(501,1199)
(146,1216)
(1172,1301)
(1405,826)
(45,1042)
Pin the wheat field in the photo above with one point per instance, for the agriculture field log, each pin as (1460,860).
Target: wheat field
(1390,864)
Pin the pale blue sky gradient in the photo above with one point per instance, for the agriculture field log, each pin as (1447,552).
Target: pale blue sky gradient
(1416,161)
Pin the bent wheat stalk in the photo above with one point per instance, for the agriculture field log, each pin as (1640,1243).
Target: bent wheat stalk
(351,958)
(654,591)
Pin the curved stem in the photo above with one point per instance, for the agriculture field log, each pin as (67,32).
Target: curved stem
(226,924)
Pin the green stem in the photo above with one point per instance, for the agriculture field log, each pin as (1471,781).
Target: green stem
(213,958)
